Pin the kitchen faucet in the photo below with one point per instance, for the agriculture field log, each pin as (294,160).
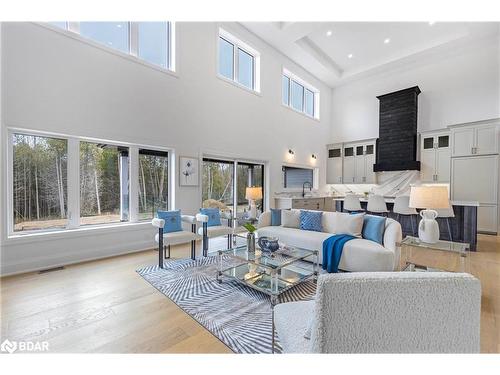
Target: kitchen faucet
(304,186)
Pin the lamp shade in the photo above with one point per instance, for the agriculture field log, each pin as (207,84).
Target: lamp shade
(432,197)
(253,193)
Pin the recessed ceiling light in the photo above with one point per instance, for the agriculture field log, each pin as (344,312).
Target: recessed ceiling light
(431,23)
(387,40)
(329,33)
(350,55)
(119,26)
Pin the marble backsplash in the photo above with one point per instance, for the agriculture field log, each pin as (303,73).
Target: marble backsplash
(390,184)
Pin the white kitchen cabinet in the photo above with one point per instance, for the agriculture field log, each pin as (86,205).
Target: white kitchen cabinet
(487,217)
(486,140)
(476,139)
(334,164)
(358,163)
(435,157)
(349,165)
(475,178)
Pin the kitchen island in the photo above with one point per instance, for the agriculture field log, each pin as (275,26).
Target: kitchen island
(463,225)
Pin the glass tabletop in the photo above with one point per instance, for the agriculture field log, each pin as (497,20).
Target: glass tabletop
(281,258)
(441,245)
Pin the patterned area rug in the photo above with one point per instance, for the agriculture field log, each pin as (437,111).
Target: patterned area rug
(239,316)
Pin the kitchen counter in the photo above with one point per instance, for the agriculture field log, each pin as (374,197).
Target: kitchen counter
(463,225)
(319,202)
(391,200)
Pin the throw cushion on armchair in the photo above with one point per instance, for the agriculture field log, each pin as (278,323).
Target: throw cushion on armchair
(213,216)
(172,220)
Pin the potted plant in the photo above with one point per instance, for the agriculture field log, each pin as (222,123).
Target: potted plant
(250,237)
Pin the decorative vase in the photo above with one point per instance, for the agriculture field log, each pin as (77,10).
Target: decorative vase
(251,242)
(428,229)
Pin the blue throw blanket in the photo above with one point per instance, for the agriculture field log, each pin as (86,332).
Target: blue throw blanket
(332,251)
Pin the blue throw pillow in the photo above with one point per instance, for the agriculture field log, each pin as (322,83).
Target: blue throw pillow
(275,217)
(374,228)
(172,220)
(213,216)
(311,220)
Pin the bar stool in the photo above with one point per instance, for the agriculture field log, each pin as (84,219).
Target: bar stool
(446,213)
(352,203)
(377,205)
(402,208)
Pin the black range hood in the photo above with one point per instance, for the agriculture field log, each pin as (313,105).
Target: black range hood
(397,142)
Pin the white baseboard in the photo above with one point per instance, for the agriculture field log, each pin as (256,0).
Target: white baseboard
(42,263)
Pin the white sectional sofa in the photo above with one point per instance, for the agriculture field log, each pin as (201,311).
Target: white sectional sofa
(358,255)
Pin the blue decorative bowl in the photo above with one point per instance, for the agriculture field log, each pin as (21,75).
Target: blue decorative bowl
(269,244)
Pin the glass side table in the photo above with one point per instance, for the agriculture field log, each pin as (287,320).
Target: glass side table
(440,256)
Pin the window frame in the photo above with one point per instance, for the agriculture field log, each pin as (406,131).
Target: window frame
(73,30)
(238,45)
(234,186)
(73,178)
(292,78)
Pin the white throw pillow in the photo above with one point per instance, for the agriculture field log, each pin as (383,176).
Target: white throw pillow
(329,219)
(290,218)
(349,224)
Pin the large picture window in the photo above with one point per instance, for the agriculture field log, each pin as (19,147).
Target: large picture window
(40,188)
(148,41)
(47,191)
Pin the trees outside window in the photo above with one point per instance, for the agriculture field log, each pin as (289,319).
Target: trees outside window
(217,181)
(153,183)
(103,183)
(221,189)
(39,182)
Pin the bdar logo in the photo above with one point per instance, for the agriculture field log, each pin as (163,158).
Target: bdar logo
(8,346)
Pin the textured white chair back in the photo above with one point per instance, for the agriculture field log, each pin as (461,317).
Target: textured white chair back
(376,203)
(402,206)
(396,312)
(446,212)
(351,203)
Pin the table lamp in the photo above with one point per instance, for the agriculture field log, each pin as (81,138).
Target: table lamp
(252,194)
(429,198)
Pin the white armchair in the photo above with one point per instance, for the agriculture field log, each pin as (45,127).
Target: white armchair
(164,240)
(215,231)
(385,312)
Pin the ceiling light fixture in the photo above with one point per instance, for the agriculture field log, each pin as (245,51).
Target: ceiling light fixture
(431,23)
(387,40)
(314,156)
(329,33)
(350,55)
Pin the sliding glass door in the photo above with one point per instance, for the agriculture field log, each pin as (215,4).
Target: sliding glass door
(248,175)
(221,189)
(218,184)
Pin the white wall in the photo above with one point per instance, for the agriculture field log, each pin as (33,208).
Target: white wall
(459,86)
(58,84)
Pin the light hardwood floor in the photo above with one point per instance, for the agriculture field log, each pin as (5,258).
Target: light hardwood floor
(104,306)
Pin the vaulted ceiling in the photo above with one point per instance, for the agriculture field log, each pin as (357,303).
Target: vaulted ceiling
(336,52)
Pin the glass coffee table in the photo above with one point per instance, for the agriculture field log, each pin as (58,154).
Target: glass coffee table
(269,273)
(440,256)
